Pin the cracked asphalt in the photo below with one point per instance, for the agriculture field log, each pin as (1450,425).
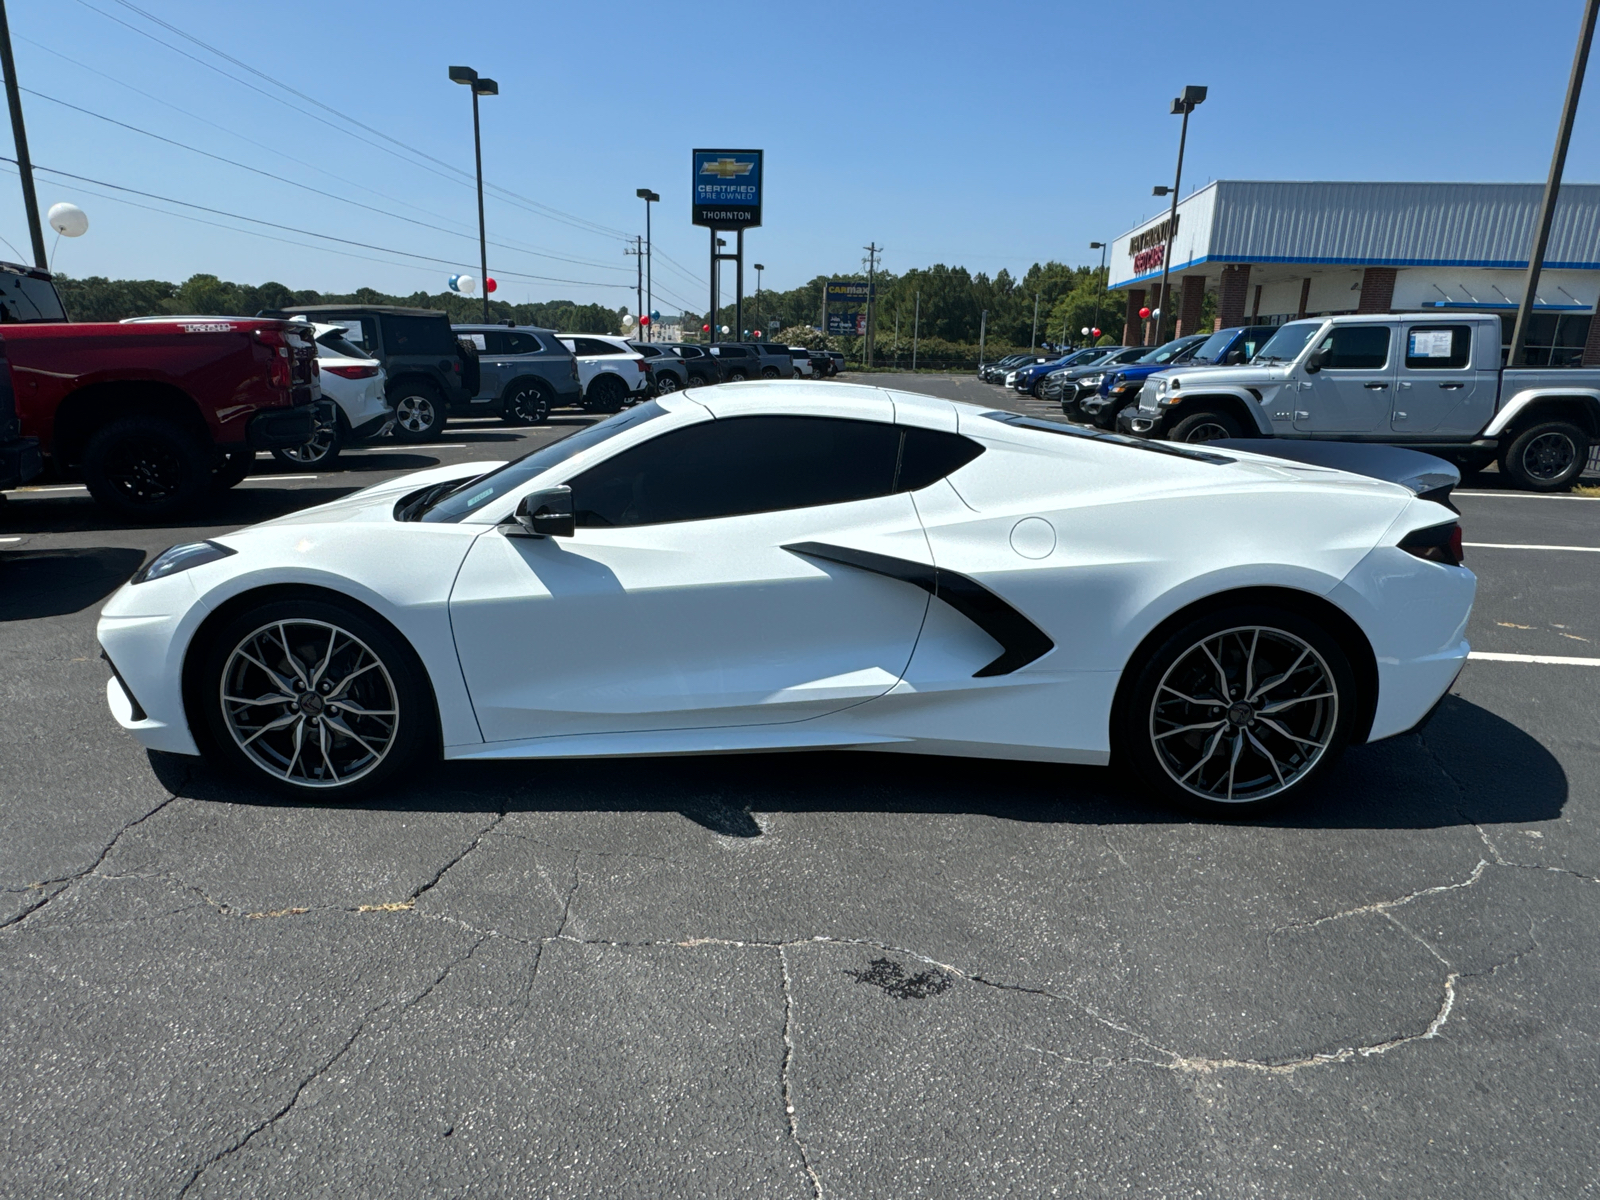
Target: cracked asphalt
(801,975)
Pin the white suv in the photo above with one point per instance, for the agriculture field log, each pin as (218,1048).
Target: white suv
(610,371)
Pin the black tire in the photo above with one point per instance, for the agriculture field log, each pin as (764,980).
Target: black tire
(1207,425)
(377,749)
(606,394)
(234,468)
(696,380)
(769,372)
(1546,457)
(525,403)
(147,468)
(737,376)
(666,383)
(1183,744)
(419,411)
(321,451)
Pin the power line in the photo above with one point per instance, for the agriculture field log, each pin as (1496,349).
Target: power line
(458,176)
(305,186)
(304,232)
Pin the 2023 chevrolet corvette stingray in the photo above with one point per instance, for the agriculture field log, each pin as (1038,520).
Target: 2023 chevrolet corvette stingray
(790,565)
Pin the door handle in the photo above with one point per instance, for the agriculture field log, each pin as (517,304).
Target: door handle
(1375,387)
(1405,386)
(1451,387)
(1301,416)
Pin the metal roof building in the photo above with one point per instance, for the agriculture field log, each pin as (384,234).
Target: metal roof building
(1273,251)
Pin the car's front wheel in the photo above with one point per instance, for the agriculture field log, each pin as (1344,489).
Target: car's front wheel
(315,698)
(1204,426)
(1237,711)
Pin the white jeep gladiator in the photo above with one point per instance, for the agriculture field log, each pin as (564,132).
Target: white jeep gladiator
(1426,381)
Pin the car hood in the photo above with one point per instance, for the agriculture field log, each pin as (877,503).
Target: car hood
(376,503)
(1264,380)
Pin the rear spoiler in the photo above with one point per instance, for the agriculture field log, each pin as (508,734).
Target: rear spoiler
(1426,476)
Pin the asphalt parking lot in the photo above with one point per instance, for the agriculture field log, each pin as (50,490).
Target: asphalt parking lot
(801,975)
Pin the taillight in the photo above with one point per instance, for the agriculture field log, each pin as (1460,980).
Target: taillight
(356,372)
(1436,543)
(642,365)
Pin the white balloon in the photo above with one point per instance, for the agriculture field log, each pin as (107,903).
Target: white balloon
(627,320)
(466,284)
(724,329)
(68,220)
(1084,331)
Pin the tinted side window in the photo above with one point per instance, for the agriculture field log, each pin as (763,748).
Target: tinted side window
(491,341)
(927,456)
(1356,347)
(419,335)
(739,465)
(521,343)
(1431,347)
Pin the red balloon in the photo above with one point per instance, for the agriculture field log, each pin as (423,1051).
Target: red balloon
(1096,332)
(757,333)
(644,320)
(489,285)
(1144,314)
(705,329)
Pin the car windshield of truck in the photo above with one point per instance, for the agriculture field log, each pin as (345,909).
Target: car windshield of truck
(1286,344)
(451,501)
(1214,346)
(24,298)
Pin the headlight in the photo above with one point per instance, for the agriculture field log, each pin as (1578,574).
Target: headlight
(1091,380)
(181,558)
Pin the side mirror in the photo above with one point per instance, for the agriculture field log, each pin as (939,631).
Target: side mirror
(547,513)
(1235,357)
(1315,361)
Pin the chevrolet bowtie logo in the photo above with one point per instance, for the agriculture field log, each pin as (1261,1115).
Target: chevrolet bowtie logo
(726,168)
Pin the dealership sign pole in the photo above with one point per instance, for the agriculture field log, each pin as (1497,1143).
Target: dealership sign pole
(1552,186)
(726,194)
(1191,99)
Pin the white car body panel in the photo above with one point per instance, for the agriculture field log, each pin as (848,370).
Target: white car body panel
(708,636)
(361,400)
(622,364)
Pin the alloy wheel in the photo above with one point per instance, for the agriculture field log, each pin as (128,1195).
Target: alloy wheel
(145,471)
(318,448)
(414,414)
(1242,714)
(309,703)
(1208,432)
(666,384)
(1548,456)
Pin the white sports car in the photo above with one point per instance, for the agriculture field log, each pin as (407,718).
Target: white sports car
(774,566)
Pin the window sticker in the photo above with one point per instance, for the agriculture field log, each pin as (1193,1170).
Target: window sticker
(477,339)
(1430,343)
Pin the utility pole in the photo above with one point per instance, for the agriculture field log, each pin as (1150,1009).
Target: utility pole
(1100,287)
(1193,96)
(649,198)
(1033,337)
(19,135)
(983,330)
(1552,186)
(738,287)
(916,328)
(638,287)
(873,250)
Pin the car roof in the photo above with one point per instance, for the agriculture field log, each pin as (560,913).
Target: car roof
(390,309)
(481,328)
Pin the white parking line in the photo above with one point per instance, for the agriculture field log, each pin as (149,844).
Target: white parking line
(275,478)
(1518,546)
(1522,495)
(10,539)
(56,487)
(1558,660)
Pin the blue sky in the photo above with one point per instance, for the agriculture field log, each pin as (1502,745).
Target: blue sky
(986,135)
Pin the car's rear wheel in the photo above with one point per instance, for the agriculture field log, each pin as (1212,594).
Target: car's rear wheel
(320,451)
(315,698)
(146,468)
(769,372)
(736,377)
(419,412)
(1207,425)
(525,404)
(1547,457)
(606,394)
(1238,711)
(666,383)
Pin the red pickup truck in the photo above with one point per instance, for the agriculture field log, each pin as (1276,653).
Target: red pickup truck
(150,416)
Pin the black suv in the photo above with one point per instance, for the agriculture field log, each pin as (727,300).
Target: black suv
(668,371)
(523,372)
(751,360)
(431,373)
(700,368)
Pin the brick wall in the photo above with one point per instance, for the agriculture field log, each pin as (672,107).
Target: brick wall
(1132,327)
(1377,290)
(1591,345)
(1231,293)
(1191,296)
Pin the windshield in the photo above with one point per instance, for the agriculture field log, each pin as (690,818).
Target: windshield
(458,499)
(1214,346)
(1084,357)
(1168,352)
(24,298)
(335,341)
(1286,344)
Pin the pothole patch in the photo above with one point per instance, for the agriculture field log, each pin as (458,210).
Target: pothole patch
(891,978)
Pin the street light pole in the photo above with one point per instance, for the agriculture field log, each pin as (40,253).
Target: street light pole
(480,87)
(1552,186)
(1100,287)
(1193,97)
(756,320)
(649,198)
(19,134)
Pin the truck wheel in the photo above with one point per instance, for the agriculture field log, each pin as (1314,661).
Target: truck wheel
(147,469)
(525,404)
(1206,425)
(1546,457)
(419,412)
(233,468)
(606,394)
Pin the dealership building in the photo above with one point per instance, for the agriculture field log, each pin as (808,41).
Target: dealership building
(1272,252)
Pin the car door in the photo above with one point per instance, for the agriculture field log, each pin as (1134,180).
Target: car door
(1439,389)
(681,600)
(491,362)
(1353,392)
